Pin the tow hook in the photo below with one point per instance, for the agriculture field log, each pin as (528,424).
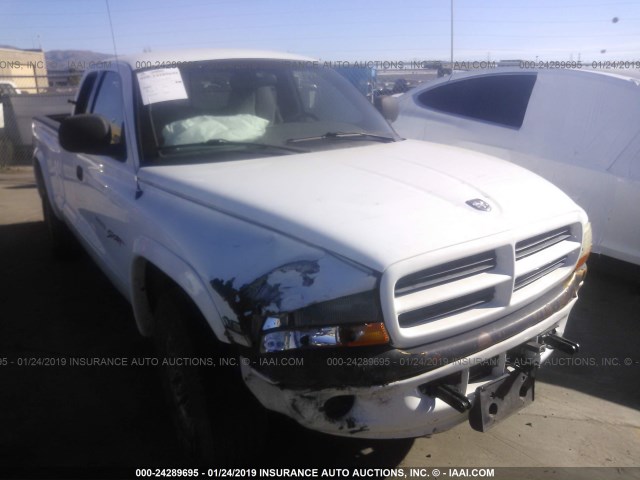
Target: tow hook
(560,343)
(449,395)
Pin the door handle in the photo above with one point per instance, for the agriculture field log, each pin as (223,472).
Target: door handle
(79,172)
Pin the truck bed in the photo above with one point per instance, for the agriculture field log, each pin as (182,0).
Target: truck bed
(52,121)
(19,111)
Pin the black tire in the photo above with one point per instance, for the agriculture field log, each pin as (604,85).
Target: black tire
(217,421)
(63,244)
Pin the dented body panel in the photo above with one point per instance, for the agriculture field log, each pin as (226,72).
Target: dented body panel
(379,366)
(352,276)
(397,409)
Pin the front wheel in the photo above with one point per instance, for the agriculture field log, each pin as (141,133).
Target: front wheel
(217,422)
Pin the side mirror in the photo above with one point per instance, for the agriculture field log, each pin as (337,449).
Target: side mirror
(389,108)
(86,133)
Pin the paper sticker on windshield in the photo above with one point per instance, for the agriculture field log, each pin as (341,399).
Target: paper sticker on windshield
(161,85)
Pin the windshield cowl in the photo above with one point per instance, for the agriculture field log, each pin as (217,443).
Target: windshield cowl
(344,136)
(216,142)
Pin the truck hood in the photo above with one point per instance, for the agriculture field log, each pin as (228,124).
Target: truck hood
(375,204)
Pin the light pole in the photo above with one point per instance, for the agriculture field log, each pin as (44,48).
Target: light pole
(452,36)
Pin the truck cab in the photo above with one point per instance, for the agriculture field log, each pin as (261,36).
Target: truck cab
(256,203)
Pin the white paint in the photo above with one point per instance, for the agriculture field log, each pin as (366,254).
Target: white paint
(581,131)
(175,57)
(394,410)
(375,205)
(365,215)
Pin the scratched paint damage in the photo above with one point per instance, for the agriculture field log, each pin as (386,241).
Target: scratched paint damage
(286,288)
(308,407)
(311,409)
(407,363)
(267,294)
(305,393)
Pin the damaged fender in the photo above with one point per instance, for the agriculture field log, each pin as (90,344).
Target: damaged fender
(286,288)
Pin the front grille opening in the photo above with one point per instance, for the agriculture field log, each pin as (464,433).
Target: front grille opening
(445,273)
(535,244)
(528,278)
(445,309)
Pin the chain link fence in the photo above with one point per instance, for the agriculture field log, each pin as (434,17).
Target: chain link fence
(23,97)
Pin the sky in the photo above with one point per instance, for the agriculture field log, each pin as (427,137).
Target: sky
(357,30)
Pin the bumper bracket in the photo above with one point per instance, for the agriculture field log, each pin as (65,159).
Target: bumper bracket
(500,398)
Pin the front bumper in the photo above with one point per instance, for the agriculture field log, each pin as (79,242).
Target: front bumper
(388,387)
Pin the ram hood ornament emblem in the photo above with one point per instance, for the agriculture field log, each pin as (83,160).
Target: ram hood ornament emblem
(479,204)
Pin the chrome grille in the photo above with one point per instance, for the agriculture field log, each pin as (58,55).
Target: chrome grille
(540,242)
(451,297)
(526,279)
(538,256)
(444,309)
(445,273)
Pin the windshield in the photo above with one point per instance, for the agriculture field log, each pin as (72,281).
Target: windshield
(234,108)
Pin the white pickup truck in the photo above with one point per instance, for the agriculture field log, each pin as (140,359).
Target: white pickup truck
(255,204)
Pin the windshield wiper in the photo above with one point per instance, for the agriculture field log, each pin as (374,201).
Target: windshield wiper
(222,141)
(344,135)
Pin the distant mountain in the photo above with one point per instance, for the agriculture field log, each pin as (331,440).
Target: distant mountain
(73,59)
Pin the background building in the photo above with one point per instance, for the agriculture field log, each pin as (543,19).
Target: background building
(27,69)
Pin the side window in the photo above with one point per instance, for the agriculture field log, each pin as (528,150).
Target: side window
(500,99)
(109,103)
(85,92)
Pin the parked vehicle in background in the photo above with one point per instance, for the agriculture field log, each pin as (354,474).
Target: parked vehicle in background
(8,88)
(363,78)
(578,129)
(259,210)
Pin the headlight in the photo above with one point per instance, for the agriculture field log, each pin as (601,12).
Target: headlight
(350,321)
